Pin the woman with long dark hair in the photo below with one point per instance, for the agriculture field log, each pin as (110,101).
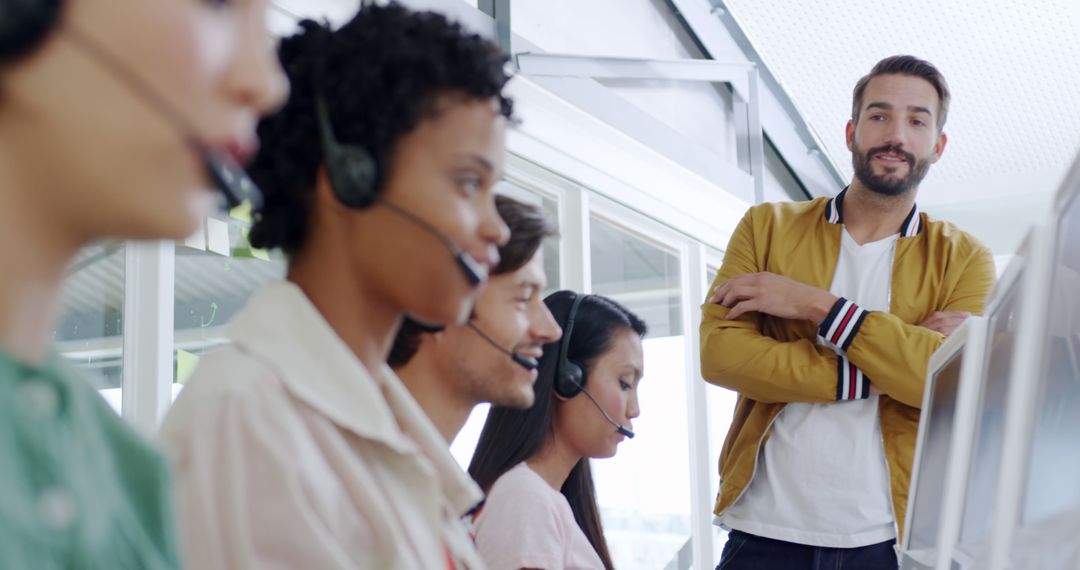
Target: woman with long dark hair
(541,509)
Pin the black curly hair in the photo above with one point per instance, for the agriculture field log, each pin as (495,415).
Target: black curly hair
(380,75)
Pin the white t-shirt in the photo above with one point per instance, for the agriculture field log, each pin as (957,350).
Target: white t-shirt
(527,524)
(822,477)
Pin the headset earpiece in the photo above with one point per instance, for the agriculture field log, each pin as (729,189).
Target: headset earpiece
(352,170)
(569,375)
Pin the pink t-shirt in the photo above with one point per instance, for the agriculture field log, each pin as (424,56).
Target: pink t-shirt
(527,524)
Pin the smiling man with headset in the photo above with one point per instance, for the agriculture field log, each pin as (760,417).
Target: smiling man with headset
(493,357)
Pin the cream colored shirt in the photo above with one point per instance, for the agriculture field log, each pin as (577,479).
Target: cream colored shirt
(289,453)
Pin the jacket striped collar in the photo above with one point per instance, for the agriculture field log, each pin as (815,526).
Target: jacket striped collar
(910,228)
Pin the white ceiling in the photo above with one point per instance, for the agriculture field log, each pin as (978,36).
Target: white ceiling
(1013,68)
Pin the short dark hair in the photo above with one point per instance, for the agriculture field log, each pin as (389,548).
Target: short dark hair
(513,435)
(379,75)
(528,227)
(905,65)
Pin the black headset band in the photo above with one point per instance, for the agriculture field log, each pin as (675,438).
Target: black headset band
(326,130)
(568,329)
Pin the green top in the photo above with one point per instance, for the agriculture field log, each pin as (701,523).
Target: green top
(78,487)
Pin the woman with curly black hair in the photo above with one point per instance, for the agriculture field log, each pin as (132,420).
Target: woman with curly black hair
(295,445)
(106,109)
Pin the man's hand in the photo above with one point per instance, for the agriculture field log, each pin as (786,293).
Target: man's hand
(945,322)
(774,295)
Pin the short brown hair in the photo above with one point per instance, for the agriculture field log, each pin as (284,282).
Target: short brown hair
(905,65)
(528,227)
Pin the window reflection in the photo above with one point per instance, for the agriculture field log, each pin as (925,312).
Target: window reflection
(644,491)
(89,334)
(216,271)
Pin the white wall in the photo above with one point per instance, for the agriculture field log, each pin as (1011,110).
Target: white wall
(700,112)
(640,29)
(1000,222)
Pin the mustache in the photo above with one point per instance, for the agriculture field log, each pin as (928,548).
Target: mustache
(910,158)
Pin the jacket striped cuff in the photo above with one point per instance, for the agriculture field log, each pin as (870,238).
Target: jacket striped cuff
(851,383)
(842,323)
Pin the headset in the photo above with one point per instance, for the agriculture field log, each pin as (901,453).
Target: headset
(526,362)
(354,179)
(570,376)
(25,23)
(352,170)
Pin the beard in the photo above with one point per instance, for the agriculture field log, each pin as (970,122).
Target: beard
(884,184)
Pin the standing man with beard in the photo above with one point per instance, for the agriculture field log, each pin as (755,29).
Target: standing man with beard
(823,318)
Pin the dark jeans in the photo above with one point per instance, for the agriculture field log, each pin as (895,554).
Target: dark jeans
(749,552)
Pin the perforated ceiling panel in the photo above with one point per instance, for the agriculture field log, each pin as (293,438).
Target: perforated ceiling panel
(1013,68)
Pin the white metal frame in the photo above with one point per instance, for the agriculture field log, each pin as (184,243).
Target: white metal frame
(971,339)
(149,294)
(566,139)
(697,403)
(742,76)
(719,34)
(597,100)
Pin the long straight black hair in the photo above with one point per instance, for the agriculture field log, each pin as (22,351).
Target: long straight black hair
(512,435)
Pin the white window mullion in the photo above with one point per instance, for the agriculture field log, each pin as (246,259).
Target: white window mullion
(576,258)
(149,292)
(694,289)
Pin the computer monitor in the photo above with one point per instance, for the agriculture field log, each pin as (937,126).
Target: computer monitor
(1040,488)
(945,430)
(986,445)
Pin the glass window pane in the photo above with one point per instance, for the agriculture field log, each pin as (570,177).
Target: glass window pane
(637,274)
(214,278)
(90,332)
(551,250)
(646,529)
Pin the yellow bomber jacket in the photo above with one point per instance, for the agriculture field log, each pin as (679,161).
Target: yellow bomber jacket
(771,361)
